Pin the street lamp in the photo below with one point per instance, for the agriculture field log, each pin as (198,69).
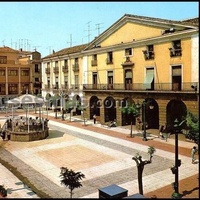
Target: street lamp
(151,106)
(177,129)
(144,120)
(62,95)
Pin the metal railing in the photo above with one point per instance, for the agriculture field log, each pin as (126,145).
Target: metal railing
(142,87)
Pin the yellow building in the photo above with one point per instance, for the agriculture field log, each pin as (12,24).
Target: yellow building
(18,72)
(150,61)
(144,59)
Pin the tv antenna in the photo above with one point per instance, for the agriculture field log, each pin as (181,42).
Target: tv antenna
(70,41)
(49,47)
(98,27)
(89,31)
(35,48)
(3,42)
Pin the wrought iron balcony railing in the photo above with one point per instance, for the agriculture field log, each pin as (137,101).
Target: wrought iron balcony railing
(47,70)
(183,87)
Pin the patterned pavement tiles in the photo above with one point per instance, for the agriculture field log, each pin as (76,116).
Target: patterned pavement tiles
(103,159)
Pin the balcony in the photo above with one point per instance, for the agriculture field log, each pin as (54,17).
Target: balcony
(47,87)
(128,62)
(65,69)
(109,61)
(94,62)
(141,87)
(56,86)
(64,87)
(76,67)
(148,55)
(56,70)
(175,52)
(37,71)
(47,70)
(37,85)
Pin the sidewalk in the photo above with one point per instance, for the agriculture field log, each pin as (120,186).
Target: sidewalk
(112,150)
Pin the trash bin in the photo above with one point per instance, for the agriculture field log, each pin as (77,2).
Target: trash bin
(113,191)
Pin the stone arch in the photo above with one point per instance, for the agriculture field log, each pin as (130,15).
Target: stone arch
(152,113)
(109,109)
(126,120)
(94,106)
(176,109)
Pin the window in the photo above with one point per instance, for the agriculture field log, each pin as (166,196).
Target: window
(12,88)
(48,82)
(24,88)
(12,72)
(109,58)
(110,79)
(76,78)
(176,77)
(2,72)
(56,83)
(36,79)
(25,72)
(94,57)
(37,68)
(94,60)
(176,50)
(66,81)
(76,61)
(66,62)
(56,64)
(149,79)
(94,80)
(3,59)
(149,53)
(128,52)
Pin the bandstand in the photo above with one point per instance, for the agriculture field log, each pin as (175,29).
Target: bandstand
(26,127)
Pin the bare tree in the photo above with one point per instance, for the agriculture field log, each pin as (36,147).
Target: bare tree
(140,165)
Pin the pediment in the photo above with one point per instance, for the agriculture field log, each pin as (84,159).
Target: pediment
(135,28)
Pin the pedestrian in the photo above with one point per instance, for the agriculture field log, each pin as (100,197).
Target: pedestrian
(161,132)
(193,152)
(95,118)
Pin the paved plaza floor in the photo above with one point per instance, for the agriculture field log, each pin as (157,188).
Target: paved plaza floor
(102,154)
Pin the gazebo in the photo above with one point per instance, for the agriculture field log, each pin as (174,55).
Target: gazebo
(27,129)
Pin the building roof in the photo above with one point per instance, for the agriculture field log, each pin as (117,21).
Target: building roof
(69,50)
(8,49)
(184,24)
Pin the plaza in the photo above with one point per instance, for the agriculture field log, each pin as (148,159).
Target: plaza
(103,154)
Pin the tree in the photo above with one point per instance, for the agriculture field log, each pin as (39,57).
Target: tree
(69,106)
(3,191)
(71,179)
(192,122)
(140,165)
(133,111)
(54,100)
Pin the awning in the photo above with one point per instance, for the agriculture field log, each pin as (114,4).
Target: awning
(149,78)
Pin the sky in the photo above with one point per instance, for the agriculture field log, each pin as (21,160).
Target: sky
(48,26)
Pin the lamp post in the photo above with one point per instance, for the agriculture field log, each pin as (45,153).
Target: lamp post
(151,106)
(62,95)
(176,194)
(144,121)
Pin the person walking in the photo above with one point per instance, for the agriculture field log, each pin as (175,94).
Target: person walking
(95,118)
(193,152)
